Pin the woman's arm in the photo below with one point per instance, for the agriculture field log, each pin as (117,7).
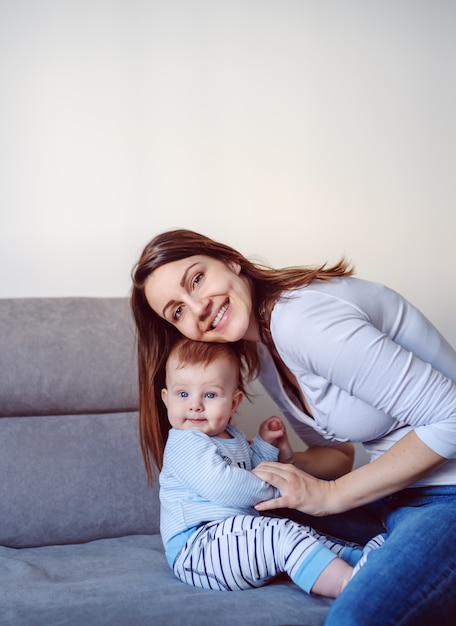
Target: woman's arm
(326,463)
(323,462)
(362,364)
(404,463)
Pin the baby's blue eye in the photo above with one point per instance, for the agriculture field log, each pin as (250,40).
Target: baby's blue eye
(183,394)
(210,395)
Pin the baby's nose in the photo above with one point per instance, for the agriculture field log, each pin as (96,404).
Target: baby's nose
(196,405)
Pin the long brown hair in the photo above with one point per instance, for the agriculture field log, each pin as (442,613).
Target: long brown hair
(156,337)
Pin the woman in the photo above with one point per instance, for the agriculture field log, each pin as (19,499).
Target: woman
(346,360)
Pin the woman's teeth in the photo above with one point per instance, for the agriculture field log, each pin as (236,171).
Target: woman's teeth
(219,315)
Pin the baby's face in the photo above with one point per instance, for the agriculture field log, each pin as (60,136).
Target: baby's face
(201,397)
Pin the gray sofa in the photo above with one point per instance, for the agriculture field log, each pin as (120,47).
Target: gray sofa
(79,527)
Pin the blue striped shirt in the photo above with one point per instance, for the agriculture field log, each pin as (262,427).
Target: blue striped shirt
(208,478)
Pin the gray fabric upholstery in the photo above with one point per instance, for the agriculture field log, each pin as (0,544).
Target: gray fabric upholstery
(79,526)
(73,478)
(66,356)
(70,460)
(127,581)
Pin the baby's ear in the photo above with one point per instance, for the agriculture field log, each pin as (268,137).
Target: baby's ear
(164,396)
(237,399)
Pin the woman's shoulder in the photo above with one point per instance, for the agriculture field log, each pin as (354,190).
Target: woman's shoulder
(344,291)
(305,298)
(317,307)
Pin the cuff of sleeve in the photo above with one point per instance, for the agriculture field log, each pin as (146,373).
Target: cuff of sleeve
(312,567)
(264,448)
(439,440)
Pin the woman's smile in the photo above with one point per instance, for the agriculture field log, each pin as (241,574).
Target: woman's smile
(220,314)
(205,299)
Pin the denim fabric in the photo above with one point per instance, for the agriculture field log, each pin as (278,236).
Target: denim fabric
(411,579)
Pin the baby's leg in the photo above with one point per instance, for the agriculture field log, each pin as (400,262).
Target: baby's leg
(246,551)
(333,579)
(374,544)
(346,550)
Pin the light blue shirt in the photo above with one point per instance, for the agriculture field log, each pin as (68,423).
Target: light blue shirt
(207,479)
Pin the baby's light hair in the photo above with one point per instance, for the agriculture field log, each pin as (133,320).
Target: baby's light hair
(190,352)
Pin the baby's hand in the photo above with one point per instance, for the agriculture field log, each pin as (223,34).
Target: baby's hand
(272,429)
(274,432)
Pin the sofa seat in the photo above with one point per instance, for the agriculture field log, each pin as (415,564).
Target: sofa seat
(79,525)
(127,581)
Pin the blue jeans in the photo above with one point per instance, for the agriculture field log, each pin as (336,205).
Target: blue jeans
(411,579)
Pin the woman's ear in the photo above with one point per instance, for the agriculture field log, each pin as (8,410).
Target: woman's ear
(237,399)
(234,267)
(164,396)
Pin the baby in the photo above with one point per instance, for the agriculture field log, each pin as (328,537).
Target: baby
(213,536)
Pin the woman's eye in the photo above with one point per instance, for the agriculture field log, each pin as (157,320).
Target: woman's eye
(177,313)
(197,279)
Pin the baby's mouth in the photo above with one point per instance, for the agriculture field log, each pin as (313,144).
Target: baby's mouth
(220,314)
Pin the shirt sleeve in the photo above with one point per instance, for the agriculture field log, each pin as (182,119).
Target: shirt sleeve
(195,460)
(335,340)
(262,451)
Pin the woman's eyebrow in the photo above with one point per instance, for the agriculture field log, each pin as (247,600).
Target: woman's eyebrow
(167,305)
(185,274)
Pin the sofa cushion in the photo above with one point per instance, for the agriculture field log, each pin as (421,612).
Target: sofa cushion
(66,355)
(73,478)
(118,582)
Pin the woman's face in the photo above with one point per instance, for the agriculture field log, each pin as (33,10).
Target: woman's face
(205,299)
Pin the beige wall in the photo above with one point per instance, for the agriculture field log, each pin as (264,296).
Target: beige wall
(294,130)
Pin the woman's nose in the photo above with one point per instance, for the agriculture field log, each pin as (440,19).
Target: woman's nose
(202,309)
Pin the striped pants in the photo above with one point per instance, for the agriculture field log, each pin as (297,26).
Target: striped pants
(246,551)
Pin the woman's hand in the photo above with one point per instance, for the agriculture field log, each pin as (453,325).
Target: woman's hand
(406,462)
(298,489)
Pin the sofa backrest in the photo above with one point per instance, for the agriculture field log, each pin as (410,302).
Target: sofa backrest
(70,463)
